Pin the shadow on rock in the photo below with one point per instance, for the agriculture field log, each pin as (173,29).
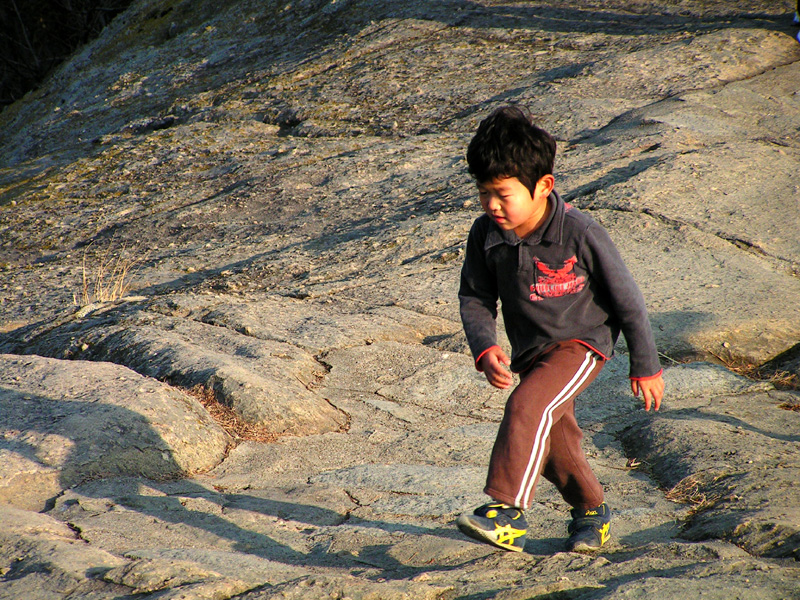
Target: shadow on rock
(186,519)
(107,451)
(735,459)
(67,423)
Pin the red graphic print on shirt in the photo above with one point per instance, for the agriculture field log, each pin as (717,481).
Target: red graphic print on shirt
(556,282)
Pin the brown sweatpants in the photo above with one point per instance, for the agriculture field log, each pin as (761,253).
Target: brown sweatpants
(539,434)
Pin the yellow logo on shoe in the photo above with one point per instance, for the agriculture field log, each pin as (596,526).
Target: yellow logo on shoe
(605,533)
(506,534)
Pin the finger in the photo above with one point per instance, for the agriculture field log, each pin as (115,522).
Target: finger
(657,398)
(498,377)
(504,376)
(496,367)
(635,388)
(499,382)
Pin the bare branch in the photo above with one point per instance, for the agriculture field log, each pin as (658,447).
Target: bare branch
(25,34)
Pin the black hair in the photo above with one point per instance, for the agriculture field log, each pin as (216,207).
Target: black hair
(508,144)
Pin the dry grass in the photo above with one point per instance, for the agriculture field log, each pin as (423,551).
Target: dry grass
(110,280)
(687,491)
(701,490)
(785,381)
(228,419)
(782,380)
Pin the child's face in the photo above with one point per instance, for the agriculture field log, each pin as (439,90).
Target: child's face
(512,206)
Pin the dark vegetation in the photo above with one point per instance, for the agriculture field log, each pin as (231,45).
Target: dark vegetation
(37,35)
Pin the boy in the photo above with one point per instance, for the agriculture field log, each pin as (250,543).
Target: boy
(565,296)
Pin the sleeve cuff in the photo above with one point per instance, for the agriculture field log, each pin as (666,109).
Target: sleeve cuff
(649,377)
(480,356)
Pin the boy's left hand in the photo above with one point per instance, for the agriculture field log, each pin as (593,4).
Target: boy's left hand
(652,391)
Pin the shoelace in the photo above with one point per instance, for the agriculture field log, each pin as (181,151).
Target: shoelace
(595,521)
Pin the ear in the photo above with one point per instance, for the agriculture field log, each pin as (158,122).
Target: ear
(545,185)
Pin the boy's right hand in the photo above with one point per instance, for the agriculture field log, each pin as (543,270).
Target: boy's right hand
(494,363)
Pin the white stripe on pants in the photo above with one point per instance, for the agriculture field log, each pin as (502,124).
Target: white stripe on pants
(537,452)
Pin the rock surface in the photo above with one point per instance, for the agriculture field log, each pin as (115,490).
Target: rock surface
(269,201)
(65,424)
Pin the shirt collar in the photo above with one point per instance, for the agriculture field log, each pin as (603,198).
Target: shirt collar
(551,231)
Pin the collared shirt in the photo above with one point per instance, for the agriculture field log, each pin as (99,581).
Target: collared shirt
(564,281)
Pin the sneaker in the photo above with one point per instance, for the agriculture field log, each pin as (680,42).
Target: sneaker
(590,529)
(498,524)
(796,19)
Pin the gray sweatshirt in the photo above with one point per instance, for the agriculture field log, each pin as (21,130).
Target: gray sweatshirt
(565,281)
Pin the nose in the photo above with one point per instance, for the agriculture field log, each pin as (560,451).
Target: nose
(494,203)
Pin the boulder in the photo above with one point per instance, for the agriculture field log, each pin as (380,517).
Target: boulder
(735,460)
(67,422)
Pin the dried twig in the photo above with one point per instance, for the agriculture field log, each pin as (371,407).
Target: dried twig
(790,406)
